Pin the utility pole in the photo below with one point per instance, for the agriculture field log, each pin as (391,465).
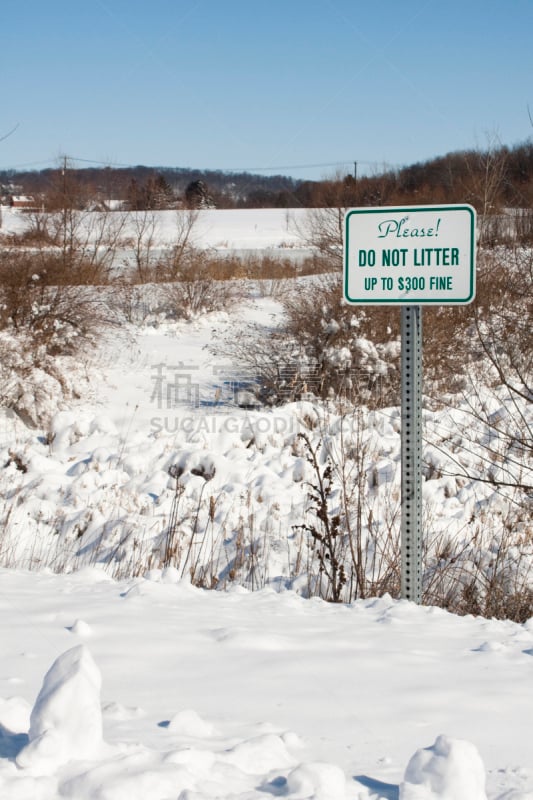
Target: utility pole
(64,174)
(67,230)
(5,136)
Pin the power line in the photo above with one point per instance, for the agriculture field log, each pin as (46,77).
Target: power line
(27,164)
(58,161)
(108,163)
(8,134)
(272,168)
(232,169)
(348,162)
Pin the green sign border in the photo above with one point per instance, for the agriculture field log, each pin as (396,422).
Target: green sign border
(408,210)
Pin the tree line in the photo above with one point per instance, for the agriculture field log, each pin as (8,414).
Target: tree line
(491,180)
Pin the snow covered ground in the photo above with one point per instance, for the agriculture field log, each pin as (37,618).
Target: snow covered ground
(161,690)
(253,695)
(245,229)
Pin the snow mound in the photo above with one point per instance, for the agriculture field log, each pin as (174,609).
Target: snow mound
(14,714)
(118,711)
(317,780)
(451,769)
(81,628)
(189,723)
(260,754)
(66,720)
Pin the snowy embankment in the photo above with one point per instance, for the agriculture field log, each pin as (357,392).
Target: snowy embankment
(252,695)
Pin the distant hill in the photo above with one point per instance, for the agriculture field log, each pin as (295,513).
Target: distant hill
(227,189)
(490,180)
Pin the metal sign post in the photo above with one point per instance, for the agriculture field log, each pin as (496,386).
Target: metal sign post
(410,256)
(411,440)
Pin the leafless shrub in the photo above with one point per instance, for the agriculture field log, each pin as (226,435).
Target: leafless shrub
(370,514)
(321,347)
(54,307)
(354,353)
(495,230)
(179,256)
(144,225)
(80,242)
(323,231)
(486,568)
(129,303)
(486,172)
(195,290)
(522,223)
(489,364)
(46,318)
(35,235)
(487,571)
(323,525)
(34,383)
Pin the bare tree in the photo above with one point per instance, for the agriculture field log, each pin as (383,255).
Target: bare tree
(178,257)
(486,176)
(145,226)
(494,347)
(322,230)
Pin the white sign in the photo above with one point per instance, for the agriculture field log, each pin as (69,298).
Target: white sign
(410,255)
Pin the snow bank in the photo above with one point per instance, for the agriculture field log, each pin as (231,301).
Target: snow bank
(451,769)
(254,695)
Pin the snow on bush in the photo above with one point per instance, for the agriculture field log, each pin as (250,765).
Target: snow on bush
(224,504)
(35,384)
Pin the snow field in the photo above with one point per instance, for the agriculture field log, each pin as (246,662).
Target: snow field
(222,230)
(252,695)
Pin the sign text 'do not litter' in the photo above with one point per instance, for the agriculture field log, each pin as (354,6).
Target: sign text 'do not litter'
(411,255)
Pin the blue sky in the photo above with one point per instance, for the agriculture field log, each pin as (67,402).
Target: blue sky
(276,85)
